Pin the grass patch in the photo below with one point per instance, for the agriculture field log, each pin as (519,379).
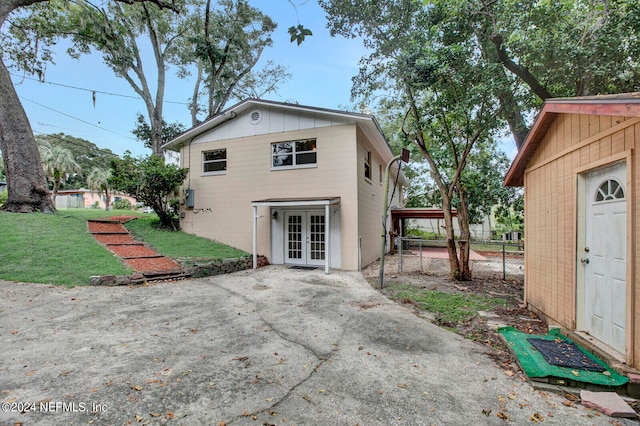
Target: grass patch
(179,245)
(449,308)
(58,249)
(54,248)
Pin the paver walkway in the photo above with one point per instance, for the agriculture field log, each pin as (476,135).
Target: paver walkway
(114,236)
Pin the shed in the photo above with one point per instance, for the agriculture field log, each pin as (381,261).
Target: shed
(579,168)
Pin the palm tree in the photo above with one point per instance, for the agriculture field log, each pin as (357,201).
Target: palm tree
(98,179)
(57,162)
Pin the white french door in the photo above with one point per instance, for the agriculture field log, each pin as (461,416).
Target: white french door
(304,238)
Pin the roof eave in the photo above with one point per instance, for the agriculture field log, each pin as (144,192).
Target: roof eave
(625,105)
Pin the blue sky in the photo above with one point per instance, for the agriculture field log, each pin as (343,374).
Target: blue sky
(321,69)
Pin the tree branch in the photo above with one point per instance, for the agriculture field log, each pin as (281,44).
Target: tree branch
(517,70)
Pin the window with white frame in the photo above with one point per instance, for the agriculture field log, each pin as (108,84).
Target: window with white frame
(367,165)
(290,154)
(214,162)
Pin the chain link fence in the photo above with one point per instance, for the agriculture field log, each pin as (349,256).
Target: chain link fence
(488,259)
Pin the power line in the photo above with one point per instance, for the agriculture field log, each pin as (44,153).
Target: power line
(91,90)
(76,118)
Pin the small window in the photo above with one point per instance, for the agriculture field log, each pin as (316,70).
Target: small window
(609,190)
(214,162)
(294,154)
(367,165)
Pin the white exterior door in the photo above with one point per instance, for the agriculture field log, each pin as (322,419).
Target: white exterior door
(604,257)
(304,238)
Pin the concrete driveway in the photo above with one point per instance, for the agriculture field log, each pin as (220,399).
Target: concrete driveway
(272,346)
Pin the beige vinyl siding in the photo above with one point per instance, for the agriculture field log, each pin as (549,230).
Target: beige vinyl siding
(223,209)
(573,144)
(370,198)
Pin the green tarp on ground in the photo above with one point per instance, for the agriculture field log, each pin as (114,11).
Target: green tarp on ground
(535,366)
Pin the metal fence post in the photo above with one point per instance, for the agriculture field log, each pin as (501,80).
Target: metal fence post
(420,245)
(400,255)
(504,263)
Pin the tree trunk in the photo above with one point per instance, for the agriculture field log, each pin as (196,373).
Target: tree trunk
(465,237)
(454,264)
(26,181)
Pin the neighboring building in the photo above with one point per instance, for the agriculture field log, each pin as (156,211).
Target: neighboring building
(312,176)
(581,175)
(86,198)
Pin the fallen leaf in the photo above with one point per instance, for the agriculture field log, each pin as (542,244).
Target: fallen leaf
(606,373)
(321,391)
(486,412)
(503,415)
(575,372)
(170,415)
(402,385)
(501,398)
(14,331)
(241,358)
(153,381)
(222,424)
(568,404)
(536,417)
(179,380)
(306,398)
(268,399)
(246,414)
(509,373)
(273,413)
(137,388)
(138,418)
(254,417)
(511,396)
(155,414)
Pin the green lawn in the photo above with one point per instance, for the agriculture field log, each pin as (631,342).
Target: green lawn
(58,249)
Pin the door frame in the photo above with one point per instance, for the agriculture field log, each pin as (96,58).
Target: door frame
(580,214)
(305,235)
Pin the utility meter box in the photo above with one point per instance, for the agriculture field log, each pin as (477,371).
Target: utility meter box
(189,198)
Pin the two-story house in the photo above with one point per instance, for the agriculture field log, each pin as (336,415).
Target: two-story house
(301,185)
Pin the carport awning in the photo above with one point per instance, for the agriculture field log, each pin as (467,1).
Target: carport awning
(295,202)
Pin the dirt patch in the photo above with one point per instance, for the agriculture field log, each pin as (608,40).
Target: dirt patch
(482,329)
(115,239)
(106,228)
(131,250)
(152,264)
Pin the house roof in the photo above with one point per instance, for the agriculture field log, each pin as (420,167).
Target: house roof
(367,123)
(621,105)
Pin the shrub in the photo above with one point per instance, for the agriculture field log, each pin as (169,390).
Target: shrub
(3,197)
(122,204)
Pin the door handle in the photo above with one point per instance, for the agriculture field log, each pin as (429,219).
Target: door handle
(585,260)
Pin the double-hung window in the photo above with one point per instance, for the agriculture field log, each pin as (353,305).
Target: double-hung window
(367,165)
(294,154)
(214,162)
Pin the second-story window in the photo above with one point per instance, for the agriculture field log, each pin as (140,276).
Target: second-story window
(367,165)
(214,162)
(294,154)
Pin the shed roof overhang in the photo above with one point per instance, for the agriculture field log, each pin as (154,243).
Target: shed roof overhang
(621,105)
(296,202)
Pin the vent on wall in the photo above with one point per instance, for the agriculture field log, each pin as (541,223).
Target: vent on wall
(255,116)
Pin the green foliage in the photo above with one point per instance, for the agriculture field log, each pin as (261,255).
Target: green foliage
(424,235)
(86,154)
(122,204)
(450,308)
(143,131)
(3,197)
(150,181)
(298,33)
(59,164)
